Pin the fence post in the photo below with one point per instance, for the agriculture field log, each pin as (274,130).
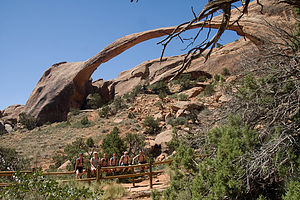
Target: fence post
(99,174)
(133,178)
(150,173)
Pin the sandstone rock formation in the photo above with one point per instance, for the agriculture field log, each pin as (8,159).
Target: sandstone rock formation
(2,128)
(11,113)
(65,85)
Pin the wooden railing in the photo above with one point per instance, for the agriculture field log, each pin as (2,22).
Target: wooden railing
(99,175)
(100,171)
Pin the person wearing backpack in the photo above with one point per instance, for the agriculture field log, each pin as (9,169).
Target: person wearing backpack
(79,168)
(94,163)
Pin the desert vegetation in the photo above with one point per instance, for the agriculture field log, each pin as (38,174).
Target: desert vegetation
(243,147)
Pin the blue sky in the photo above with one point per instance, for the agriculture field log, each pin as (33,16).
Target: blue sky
(34,34)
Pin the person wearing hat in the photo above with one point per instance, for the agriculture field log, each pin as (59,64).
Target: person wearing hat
(79,166)
(94,163)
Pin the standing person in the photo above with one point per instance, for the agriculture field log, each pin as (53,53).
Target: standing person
(94,163)
(113,162)
(124,160)
(105,162)
(141,158)
(79,170)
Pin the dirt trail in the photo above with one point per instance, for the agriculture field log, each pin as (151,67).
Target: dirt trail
(142,189)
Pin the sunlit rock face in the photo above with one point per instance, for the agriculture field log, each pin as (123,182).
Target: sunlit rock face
(66,85)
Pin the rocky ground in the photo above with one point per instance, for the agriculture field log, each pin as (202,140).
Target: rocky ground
(41,143)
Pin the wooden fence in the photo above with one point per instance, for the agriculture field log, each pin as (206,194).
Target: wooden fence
(130,173)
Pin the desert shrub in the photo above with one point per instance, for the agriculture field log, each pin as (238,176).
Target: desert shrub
(292,191)
(225,72)
(129,97)
(59,158)
(90,142)
(218,176)
(135,143)
(113,143)
(74,111)
(208,90)
(114,191)
(174,143)
(155,195)
(78,146)
(185,81)
(118,103)
(160,87)
(177,121)
(159,104)
(28,121)
(151,125)
(131,115)
(95,101)
(162,95)
(83,123)
(179,97)
(63,124)
(182,97)
(35,186)
(104,112)
(218,79)
(10,160)
(71,152)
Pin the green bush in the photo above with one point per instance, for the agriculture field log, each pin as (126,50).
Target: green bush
(83,123)
(74,111)
(71,152)
(63,124)
(209,90)
(135,143)
(104,112)
(179,97)
(292,191)
(174,143)
(182,97)
(10,160)
(160,87)
(118,103)
(218,79)
(129,97)
(162,95)
(90,142)
(28,121)
(35,186)
(151,125)
(112,143)
(155,195)
(95,101)
(218,176)
(185,81)
(225,72)
(177,121)
(59,158)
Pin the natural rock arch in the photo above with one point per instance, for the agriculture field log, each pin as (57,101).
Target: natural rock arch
(64,85)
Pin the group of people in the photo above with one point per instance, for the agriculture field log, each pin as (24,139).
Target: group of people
(106,162)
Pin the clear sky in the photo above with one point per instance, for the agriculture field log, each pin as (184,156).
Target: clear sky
(34,34)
